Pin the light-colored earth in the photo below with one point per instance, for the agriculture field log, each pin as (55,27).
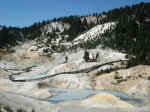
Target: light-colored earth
(101,100)
(93,104)
(134,81)
(17,101)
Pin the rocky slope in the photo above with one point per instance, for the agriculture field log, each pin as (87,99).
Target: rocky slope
(134,81)
(96,103)
(94,33)
(64,62)
(16,101)
(129,81)
(27,55)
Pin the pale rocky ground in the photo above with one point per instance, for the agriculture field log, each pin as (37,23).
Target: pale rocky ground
(95,103)
(122,90)
(17,101)
(101,100)
(94,32)
(133,81)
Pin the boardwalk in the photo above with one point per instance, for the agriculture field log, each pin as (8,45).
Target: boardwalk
(86,70)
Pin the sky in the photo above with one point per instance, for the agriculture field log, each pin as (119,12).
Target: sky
(22,13)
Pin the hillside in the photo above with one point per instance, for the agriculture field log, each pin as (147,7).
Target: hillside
(130,34)
(66,28)
(95,63)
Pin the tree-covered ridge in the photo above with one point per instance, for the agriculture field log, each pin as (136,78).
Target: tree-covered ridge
(10,35)
(127,11)
(132,32)
(78,25)
(130,35)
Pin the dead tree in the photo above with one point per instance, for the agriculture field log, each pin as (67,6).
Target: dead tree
(86,56)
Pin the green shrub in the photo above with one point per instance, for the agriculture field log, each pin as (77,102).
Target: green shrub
(6,108)
(108,70)
(42,85)
(21,110)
